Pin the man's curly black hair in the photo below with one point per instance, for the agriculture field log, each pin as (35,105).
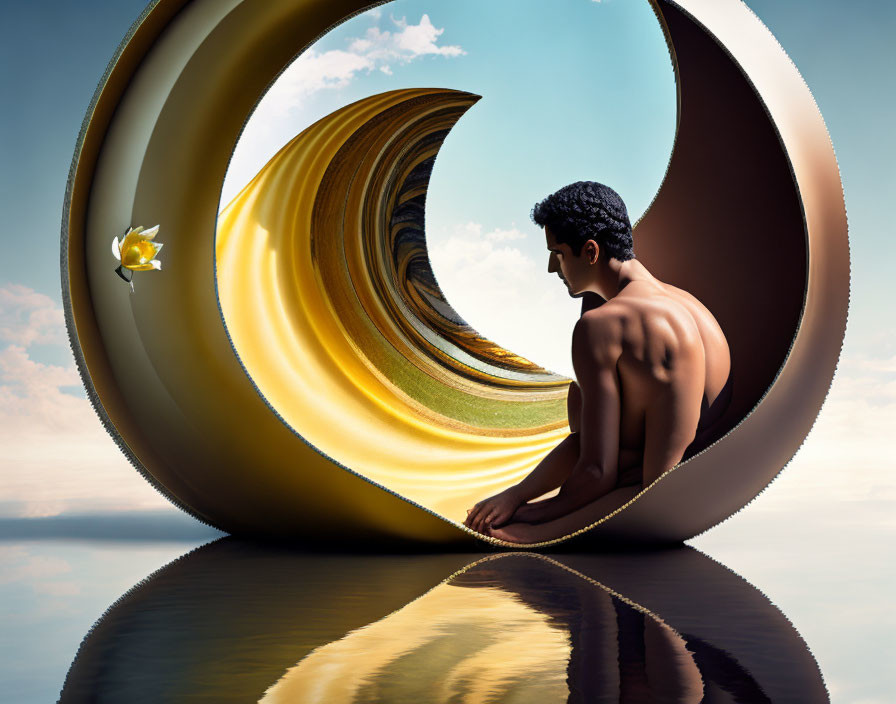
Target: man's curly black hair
(587,210)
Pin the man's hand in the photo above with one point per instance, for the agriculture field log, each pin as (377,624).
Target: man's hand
(494,511)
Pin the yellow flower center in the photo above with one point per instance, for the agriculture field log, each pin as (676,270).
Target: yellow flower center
(139,253)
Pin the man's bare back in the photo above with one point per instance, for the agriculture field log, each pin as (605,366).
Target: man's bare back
(673,366)
(653,368)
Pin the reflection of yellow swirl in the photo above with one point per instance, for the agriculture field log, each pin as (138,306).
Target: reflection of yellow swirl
(482,644)
(507,628)
(330,302)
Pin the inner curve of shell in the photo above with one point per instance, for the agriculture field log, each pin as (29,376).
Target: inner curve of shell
(331,305)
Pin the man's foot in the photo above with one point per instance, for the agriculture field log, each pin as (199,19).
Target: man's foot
(531,513)
(495,510)
(514,533)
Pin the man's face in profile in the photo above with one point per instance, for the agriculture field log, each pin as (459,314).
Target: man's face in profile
(565,264)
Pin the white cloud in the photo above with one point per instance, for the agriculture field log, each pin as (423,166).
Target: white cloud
(282,112)
(314,71)
(27,317)
(846,466)
(505,294)
(500,235)
(417,40)
(876,365)
(32,390)
(55,454)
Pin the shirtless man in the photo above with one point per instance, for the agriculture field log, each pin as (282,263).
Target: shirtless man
(652,366)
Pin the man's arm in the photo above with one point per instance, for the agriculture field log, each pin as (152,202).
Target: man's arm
(596,348)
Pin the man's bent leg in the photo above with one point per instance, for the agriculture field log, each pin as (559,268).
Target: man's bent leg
(552,471)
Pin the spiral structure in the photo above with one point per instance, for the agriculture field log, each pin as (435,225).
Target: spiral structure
(294,369)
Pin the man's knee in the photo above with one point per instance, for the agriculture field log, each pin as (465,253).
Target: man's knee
(574,407)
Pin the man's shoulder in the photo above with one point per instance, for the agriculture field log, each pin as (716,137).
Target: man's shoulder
(642,308)
(599,334)
(607,319)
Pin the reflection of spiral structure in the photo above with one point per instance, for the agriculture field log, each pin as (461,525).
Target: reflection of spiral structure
(311,338)
(236,622)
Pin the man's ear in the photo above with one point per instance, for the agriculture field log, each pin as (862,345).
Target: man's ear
(592,249)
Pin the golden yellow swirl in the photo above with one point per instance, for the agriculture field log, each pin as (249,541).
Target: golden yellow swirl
(333,309)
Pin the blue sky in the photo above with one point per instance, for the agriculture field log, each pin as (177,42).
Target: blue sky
(582,93)
(587,93)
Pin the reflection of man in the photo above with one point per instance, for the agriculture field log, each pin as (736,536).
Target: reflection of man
(652,366)
(617,653)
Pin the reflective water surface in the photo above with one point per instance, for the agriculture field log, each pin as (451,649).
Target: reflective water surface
(157,609)
(235,622)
